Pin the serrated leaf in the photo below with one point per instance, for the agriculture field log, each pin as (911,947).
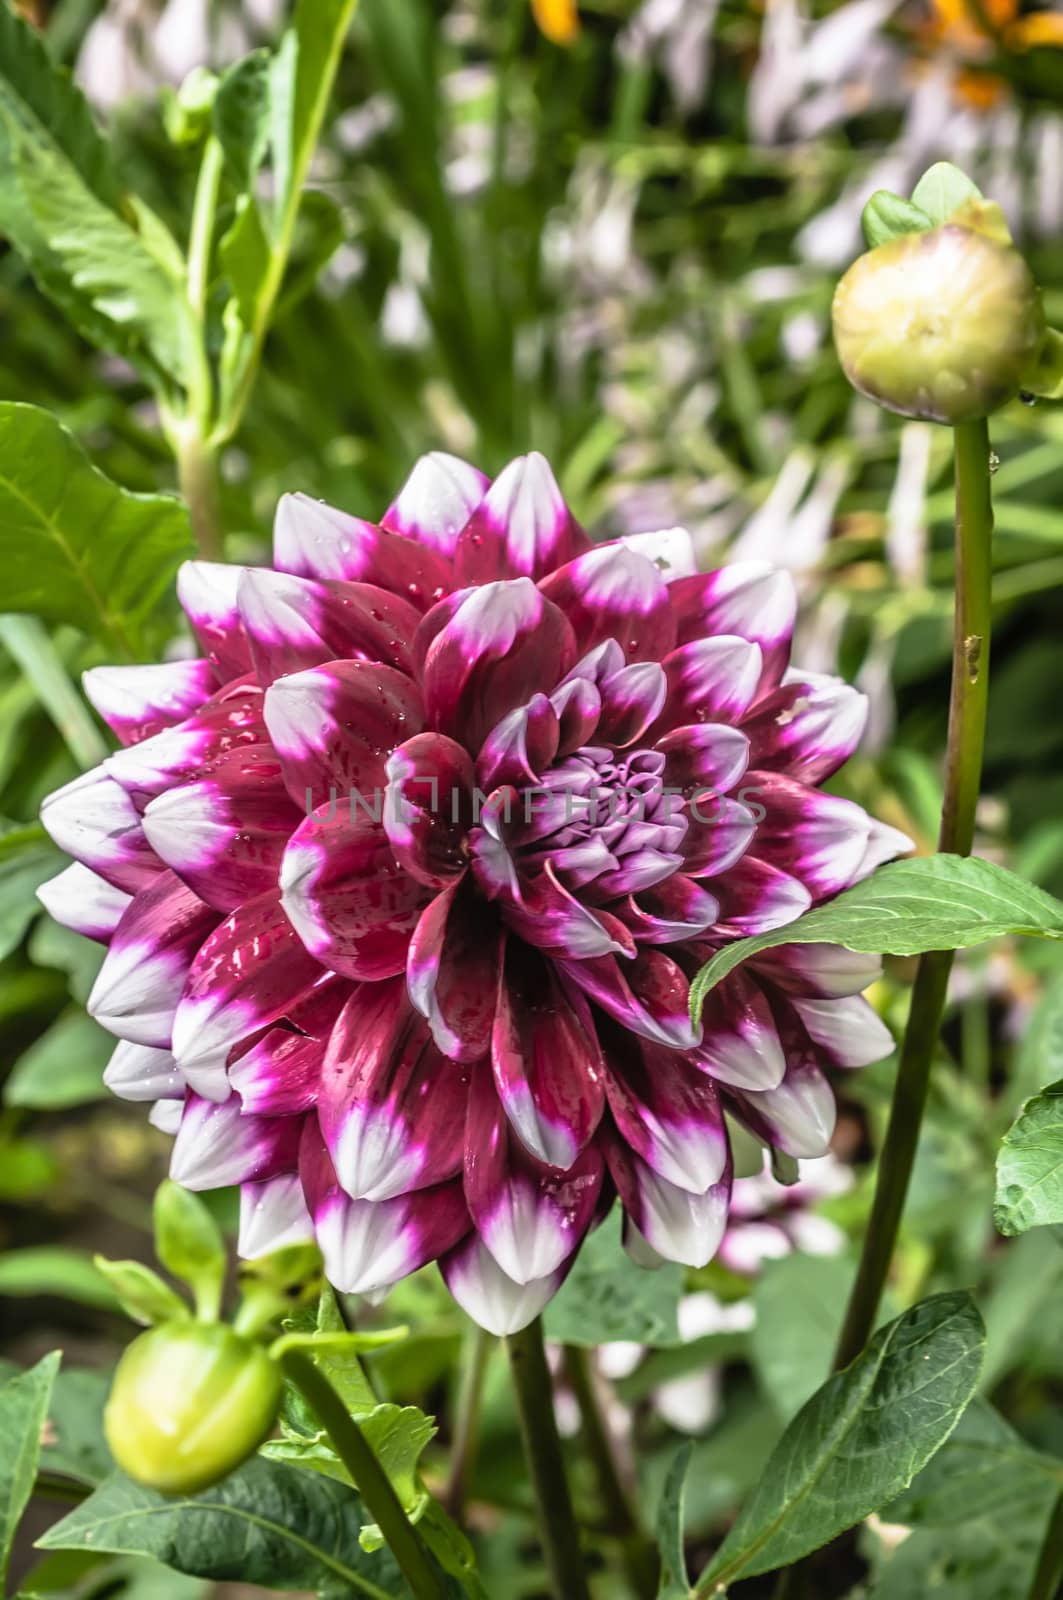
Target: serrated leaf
(940,902)
(23,1409)
(860,1440)
(63,1068)
(1030,1165)
(76,547)
(985,1469)
(189,1244)
(267,1524)
(674,1583)
(604,1298)
(141,1293)
(240,116)
(886,216)
(941,190)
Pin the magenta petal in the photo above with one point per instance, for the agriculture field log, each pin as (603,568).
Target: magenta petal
(546,1060)
(216,1146)
(436,501)
(521,528)
(740,1044)
(250,972)
(521,747)
(496,647)
(273,1216)
(277,1072)
(669,912)
(136,702)
(553,919)
(719,832)
(798,1115)
(578,705)
(225,835)
(313,540)
(612,592)
(207,592)
(452,971)
(755,897)
(227,721)
(140,1072)
(93,819)
(704,756)
(820,971)
(632,700)
(530,1217)
(84,902)
(352,904)
(495,1301)
(392,1109)
(650,995)
(428,807)
(817,838)
(667,1112)
(295,623)
(143,974)
(710,680)
(676,1223)
(332,727)
(807,728)
(848,1032)
(371,1244)
(748,598)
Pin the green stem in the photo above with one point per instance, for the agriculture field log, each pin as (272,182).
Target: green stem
(197,477)
(478,1347)
(201,235)
(963,772)
(546,1466)
(373,1483)
(28,643)
(1048,1579)
(618,1502)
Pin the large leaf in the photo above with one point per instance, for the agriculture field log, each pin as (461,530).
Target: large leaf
(267,1524)
(941,902)
(985,1469)
(674,1583)
(23,1409)
(604,1298)
(1030,1165)
(860,1440)
(61,206)
(303,72)
(24,866)
(63,1068)
(77,548)
(799,1303)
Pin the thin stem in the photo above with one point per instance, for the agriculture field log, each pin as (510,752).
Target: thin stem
(28,643)
(478,1347)
(373,1483)
(546,1466)
(618,1501)
(197,477)
(1048,1579)
(201,234)
(963,772)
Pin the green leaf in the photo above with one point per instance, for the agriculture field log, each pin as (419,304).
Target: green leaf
(886,216)
(300,84)
(189,1244)
(62,208)
(266,1524)
(985,1469)
(23,1409)
(860,1440)
(52,945)
(76,547)
(141,1293)
(241,116)
(22,870)
(941,190)
(799,1303)
(50,1269)
(674,1583)
(76,1447)
(985,1559)
(63,1068)
(605,1298)
(1030,1165)
(940,902)
(245,257)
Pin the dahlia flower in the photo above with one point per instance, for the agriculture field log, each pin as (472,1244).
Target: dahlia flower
(404,878)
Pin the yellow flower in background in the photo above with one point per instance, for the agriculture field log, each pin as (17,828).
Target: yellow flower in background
(558,19)
(975,28)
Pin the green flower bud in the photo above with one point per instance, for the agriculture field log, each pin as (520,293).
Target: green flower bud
(189,1403)
(941,324)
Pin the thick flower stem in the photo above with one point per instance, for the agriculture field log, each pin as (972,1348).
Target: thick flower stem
(424,1578)
(546,1467)
(197,477)
(963,772)
(618,1502)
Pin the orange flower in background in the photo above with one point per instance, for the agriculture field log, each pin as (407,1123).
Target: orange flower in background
(974,29)
(558,19)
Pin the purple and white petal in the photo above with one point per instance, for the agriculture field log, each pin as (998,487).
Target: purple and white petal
(632,699)
(710,680)
(295,623)
(670,549)
(84,902)
(139,1072)
(273,1215)
(740,1042)
(93,819)
(612,592)
(820,971)
(229,720)
(136,702)
(799,1114)
(756,897)
(436,501)
(521,527)
(676,1223)
(521,747)
(807,728)
(667,1112)
(496,1302)
(650,995)
(207,592)
(883,844)
(137,989)
(452,971)
(313,540)
(217,1146)
(277,1072)
(704,757)
(849,1032)
(748,598)
(428,807)
(670,912)
(818,838)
